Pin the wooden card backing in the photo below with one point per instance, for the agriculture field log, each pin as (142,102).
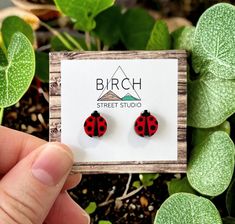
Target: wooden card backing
(178,166)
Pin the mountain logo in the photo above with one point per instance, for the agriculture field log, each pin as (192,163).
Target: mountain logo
(110,96)
(119,87)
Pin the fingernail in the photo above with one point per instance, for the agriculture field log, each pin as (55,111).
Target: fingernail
(52,164)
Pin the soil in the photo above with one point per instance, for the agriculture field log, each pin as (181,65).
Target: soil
(140,208)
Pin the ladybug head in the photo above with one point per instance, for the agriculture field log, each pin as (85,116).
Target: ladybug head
(95,114)
(145,113)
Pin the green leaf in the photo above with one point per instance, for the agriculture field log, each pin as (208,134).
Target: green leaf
(108,25)
(183,38)
(228,220)
(230,199)
(104,222)
(91,208)
(83,12)
(179,185)
(136,27)
(16,76)
(210,102)
(160,38)
(13,24)
(136,184)
(185,208)
(148,178)
(211,164)
(200,134)
(213,46)
(42,66)
(3,59)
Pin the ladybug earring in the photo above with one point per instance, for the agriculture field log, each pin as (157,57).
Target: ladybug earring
(95,125)
(146,124)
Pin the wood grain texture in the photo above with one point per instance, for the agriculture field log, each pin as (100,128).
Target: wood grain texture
(131,166)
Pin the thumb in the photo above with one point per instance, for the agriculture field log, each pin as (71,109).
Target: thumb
(29,189)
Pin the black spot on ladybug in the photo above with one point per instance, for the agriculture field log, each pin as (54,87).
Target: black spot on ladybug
(151,118)
(136,124)
(89,128)
(85,124)
(153,127)
(141,119)
(156,122)
(90,119)
(140,128)
(102,128)
(101,119)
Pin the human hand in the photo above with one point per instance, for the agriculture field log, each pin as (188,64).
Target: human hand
(34,179)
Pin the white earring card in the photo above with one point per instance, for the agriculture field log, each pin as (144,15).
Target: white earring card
(120,85)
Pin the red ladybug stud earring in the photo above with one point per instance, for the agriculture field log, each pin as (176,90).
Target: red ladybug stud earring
(146,124)
(95,125)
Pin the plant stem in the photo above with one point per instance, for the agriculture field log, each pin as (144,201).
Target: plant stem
(98,44)
(122,197)
(60,37)
(73,41)
(1,114)
(106,203)
(127,185)
(130,194)
(88,40)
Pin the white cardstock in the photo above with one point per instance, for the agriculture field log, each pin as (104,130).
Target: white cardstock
(120,90)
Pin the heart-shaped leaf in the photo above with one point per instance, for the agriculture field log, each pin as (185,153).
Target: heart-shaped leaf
(136,27)
(185,208)
(183,38)
(200,134)
(179,185)
(160,38)
(211,164)
(83,12)
(13,24)
(105,23)
(17,74)
(213,46)
(230,199)
(210,102)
